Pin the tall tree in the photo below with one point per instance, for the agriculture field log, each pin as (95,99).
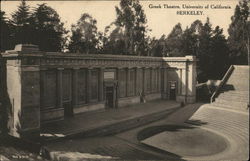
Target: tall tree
(132,18)
(190,39)
(203,48)
(6,33)
(114,40)
(21,16)
(158,47)
(219,54)
(239,33)
(47,26)
(84,35)
(174,41)
(21,21)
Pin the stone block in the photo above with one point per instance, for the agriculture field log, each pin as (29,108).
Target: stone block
(89,107)
(154,96)
(122,102)
(52,114)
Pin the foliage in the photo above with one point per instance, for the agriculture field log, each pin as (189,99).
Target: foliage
(239,33)
(113,40)
(21,22)
(47,26)
(157,46)
(131,17)
(84,35)
(207,44)
(127,35)
(174,41)
(6,33)
(41,26)
(21,17)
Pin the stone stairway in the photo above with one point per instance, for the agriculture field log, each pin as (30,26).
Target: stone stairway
(232,125)
(235,92)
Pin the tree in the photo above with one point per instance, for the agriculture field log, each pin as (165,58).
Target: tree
(157,46)
(174,41)
(204,49)
(47,26)
(131,17)
(84,35)
(219,54)
(190,39)
(239,33)
(21,21)
(114,40)
(209,46)
(6,36)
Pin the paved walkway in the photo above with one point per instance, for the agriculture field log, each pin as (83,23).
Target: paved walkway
(104,120)
(124,145)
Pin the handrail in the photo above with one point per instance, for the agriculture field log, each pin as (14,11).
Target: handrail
(223,81)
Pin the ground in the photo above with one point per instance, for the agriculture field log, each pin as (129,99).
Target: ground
(9,153)
(123,145)
(193,132)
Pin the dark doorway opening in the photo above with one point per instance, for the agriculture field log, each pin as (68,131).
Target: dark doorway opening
(67,92)
(172,90)
(110,97)
(68,110)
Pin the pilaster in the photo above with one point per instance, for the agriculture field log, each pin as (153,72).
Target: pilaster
(127,81)
(101,71)
(88,86)
(59,88)
(75,87)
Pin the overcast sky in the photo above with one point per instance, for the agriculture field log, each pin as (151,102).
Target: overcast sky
(160,20)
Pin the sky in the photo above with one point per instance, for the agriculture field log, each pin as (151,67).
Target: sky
(159,20)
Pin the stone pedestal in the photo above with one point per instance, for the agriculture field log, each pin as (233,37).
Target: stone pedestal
(23,84)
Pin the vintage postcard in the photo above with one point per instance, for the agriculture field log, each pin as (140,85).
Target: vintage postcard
(124,80)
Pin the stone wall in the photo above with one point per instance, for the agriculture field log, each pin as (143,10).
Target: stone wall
(50,86)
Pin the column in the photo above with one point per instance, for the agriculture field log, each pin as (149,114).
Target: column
(184,84)
(127,82)
(75,87)
(100,91)
(150,79)
(190,79)
(59,88)
(166,83)
(42,78)
(161,85)
(136,72)
(159,80)
(88,85)
(144,82)
(118,83)
(118,87)
(179,81)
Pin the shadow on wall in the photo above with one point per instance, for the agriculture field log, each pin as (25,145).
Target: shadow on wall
(9,124)
(182,87)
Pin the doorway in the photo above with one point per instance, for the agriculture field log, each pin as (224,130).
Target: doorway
(67,93)
(172,90)
(110,97)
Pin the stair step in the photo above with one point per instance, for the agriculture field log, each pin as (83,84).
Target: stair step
(234,97)
(230,106)
(232,102)
(235,93)
(238,91)
(236,87)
